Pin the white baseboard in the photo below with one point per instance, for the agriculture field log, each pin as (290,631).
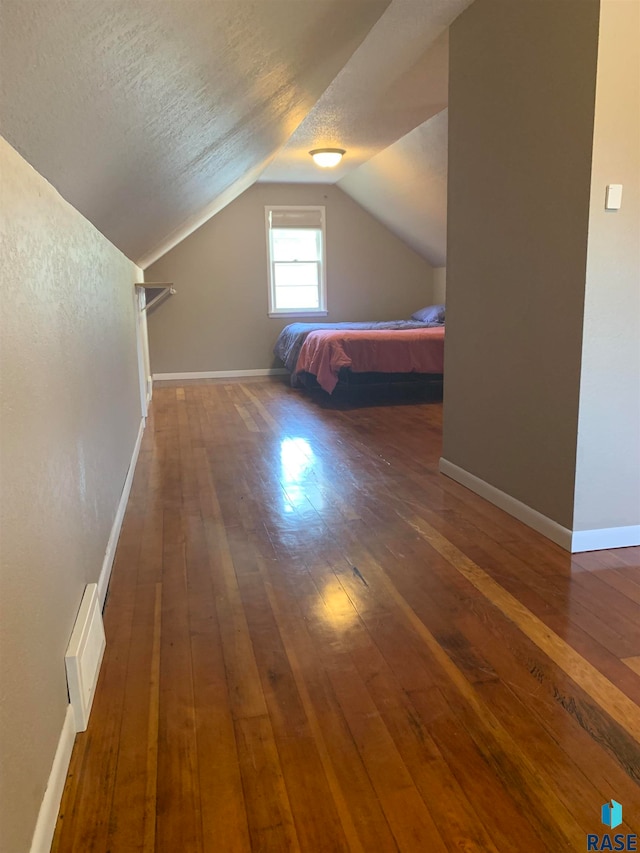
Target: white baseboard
(107,563)
(48,815)
(532,518)
(605,538)
(574,541)
(223,374)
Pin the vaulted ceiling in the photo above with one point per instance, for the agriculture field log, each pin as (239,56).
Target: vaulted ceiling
(405,187)
(150,115)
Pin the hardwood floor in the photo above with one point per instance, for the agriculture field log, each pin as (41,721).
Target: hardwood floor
(317,642)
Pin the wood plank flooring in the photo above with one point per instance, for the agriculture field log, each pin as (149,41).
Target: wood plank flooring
(317,642)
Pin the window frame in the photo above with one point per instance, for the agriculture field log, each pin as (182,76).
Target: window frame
(321,311)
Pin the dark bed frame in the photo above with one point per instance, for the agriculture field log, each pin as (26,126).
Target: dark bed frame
(350,383)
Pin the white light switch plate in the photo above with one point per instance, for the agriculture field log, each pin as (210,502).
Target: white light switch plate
(613,199)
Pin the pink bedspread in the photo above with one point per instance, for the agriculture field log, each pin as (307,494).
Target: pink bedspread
(384,351)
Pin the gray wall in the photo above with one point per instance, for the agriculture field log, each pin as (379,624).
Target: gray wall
(521,104)
(218,318)
(608,469)
(439,285)
(70,411)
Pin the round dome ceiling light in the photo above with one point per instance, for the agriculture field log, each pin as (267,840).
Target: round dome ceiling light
(327,157)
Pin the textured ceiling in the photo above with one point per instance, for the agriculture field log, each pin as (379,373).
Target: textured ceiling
(394,82)
(405,187)
(148,115)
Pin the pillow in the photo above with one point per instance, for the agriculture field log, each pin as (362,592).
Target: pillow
(430,314)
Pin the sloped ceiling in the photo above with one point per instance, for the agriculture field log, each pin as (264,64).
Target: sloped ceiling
(149,116)
(143,113)
(405,187)
(395,81)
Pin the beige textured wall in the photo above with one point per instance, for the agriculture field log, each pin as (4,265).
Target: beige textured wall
(218,318)
(608,461)
(70,411)
(521,101)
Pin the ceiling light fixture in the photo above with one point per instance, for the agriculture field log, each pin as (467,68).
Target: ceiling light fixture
(327,157)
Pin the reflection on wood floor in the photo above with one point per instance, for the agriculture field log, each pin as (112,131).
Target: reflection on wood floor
(317,642)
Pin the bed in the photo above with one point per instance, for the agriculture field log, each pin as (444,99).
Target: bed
(328,352)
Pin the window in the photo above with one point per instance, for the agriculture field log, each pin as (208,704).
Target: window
(295,245)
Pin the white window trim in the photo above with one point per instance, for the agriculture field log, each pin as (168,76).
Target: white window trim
(297,312)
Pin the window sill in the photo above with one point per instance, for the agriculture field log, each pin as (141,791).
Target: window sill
(276,314)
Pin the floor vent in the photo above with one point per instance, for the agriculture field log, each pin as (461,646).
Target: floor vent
(84,656)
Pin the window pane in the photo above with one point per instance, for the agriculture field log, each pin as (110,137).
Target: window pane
(292,244)
(295,248)
(297,297)
(295,275)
